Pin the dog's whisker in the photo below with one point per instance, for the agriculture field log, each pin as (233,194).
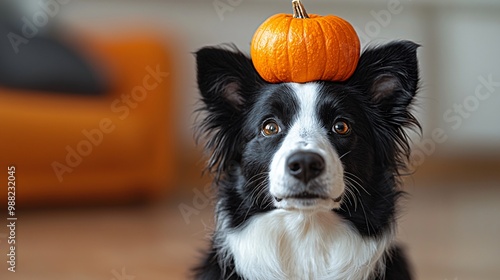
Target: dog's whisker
(252,196)
(355,179)
(351,194)
(269,203)
(258,191)
(366,217)
(346,153)
(353,185)
(263,191)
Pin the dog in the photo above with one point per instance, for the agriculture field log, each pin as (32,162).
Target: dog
(307,175)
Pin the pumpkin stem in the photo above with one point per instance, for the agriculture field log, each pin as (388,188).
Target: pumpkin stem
(298,9)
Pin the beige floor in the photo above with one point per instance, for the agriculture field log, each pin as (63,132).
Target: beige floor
(452,231)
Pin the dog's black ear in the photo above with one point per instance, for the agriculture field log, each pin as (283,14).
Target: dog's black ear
(227,81)
(226,78)
(389,75)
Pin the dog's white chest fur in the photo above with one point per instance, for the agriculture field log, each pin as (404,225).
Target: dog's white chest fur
(299,245)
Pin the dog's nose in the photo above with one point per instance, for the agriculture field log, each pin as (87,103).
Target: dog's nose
(305,166)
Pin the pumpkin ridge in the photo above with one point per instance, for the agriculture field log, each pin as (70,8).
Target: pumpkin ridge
(281,51)
(352,59)
(346,53)
(288,59)
(257,56)
(356,50)
(297,51)
(316,50)
(325,49)
(268,64)
(345,46)
(274,49)
(304,25)
(334,31)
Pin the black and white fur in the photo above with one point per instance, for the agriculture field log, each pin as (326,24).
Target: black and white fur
(307,202)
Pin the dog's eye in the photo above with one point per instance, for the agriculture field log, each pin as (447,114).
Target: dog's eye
(341,127)
(270,128)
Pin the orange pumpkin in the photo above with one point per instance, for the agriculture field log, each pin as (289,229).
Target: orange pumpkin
(303,48)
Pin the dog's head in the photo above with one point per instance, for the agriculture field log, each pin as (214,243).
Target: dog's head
(311,146)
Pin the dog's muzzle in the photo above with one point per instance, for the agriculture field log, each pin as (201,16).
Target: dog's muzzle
(306,191)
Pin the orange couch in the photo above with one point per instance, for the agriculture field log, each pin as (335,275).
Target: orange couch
(71,149)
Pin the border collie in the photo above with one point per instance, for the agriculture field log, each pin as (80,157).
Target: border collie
(306,174)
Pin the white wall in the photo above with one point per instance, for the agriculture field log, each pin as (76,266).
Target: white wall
(469,49)
(460,43)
